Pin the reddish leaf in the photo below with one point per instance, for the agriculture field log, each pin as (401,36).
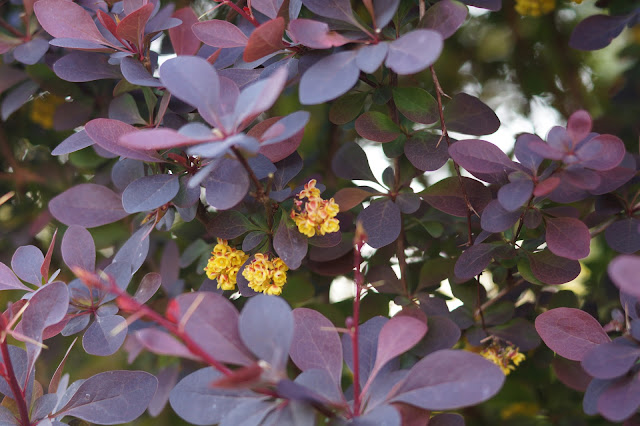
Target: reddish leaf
(131,28)
(377,127)
(552,269)
(107,133)
(348,198)
(570,332)
(571,374)
(446,195)
(162,343)
(264,40)
(65,19)
(44,269)
(480,156)
(469,115)
(218,33)
(183,40)
(568,237)
(315,34)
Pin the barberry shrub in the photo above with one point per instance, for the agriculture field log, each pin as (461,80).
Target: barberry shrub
(206,180)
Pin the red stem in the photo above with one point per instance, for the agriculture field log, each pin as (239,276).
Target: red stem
(241,12)
(10,376)
(359,280)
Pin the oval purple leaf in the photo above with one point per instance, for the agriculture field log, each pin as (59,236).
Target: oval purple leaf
(612,359)
(26,263)
(329,78)
(78,248)
(149,192)
(568,237)
(227,185)
(624,271)
(473,261)
(382,222)
(552,269)
(99,339)
(624,236)
(403,57)
(290,245)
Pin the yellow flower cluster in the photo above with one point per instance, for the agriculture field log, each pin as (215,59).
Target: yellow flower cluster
(43,109)
(535,7)
(505,357)
(224,264)
(318,215)
(266,276)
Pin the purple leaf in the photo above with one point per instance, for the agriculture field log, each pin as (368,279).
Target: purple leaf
(229,225)
(408,203)
(329,78)
(445,17)
(30,52)
(527,157)
(603,152)
(478,156)
(9,281)
(514,195)
(267,7)
(135,73)
(623,235)
(227,185)
(123,108)
(571,374)
(322,384)
(610,180)
(469,115)
(196,401)
(612,359)
(167,379)
(149,285)
(382,222)
(552,269)
(316,343)
(597,31)
(107,133)
(623,271)
(446,195)
(213,323)
(135,249)
(315,34)
(17,97)
(381,415)
(64,19)
(149,192)
(417,105)
(183,39)
(334,9)
(448,379)
(99,338)
(367,347)
(79,67)
(78,249)
(10,77)
(621,399)
(111,397)
(75,142)
(350,162)
(568,237)
(156,139)
(371,56)
(163,343)
(384,11)
(290,244)
(87,205)
(496,219)
(253,240)
(593,393)
(26,262)
(397,336)
(570,332)
(377,127)
(219,33)
(403,57)
(271,343)
(579,125)
(473,261)
(258,97)
(443,334)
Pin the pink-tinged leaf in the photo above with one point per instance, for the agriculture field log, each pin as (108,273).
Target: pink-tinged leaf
(348,198)
(78,249)
(183,40)
(571,374)
(26,263)
(473,261)
(568,237)
(570,332)
(333,9)
(87,205)
(162,343)
(478,156)
(46,263)
(552,269)
(579,125)
(496,219)
(329,78)
(316,343)
(131,28)
(280,137)
(547,186)
(10,76)
(446,195)
(371,56)
(148,287)
(624,271)
(377,127)
(149,192)
(9,281)
(213,323)
(290,245)
(603,152)
(397,336)
(111,397)
(100,340)
(469,115)
(403,57)
(612,359)
(75,142)
(382,222)
(218,33)
(156,139)
(448,379)
(107,133)
(65,19)
(621,399)
(265,40)
(315,34)
(84,66)
(270,343)
(445,17)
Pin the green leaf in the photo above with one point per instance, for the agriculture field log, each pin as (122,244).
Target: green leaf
(377,127)
(416,104)
(524,267)
(346,108)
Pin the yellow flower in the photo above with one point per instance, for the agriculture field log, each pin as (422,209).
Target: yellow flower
(313,215)
(266,276)
(505,357)
(224,263)
(535,7)
(43,109)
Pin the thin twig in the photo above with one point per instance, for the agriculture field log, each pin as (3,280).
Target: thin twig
(10,377)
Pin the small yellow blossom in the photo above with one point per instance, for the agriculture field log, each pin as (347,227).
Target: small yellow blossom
(224,264)
(505,357)
(266,276)
(43,109)
(535,7)
(315,215)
